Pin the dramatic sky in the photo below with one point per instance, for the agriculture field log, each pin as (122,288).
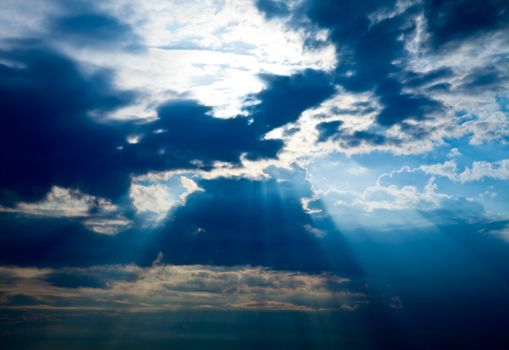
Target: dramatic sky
(261,174)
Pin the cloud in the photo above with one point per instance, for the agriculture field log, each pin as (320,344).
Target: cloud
(190,133)
(132,289)
(211,52)
(364,105)
(93,29)
(108,226)
(273,9)
(326,130)
(160,197)
(392,197)
(368,50)
(152,198)
(47,126)
(190,188)
(454,152)
(287,97)
(346,123)
(229,222)
(63,202)
(418,92)
(501,230)
(388,197)
(404,199)
(306,205)
(97,214)
(478,171)
(64,131)
(399,106)
(450,21)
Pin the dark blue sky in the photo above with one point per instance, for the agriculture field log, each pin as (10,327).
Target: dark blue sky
(279,174)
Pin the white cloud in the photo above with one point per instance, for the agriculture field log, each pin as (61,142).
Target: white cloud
(305,202)
(454,152)
(249,169)
(63,202)
(393,197)
(479,170)
(160,196)
(97,214)
(357,114)
(447,169)
(155,199)
(488,125)
(483,121)
(107,226)
(190,187)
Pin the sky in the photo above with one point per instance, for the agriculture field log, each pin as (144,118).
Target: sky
(224,174)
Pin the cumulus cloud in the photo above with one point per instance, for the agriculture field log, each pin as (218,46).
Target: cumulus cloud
(479,170)
(392,197)
(389,197)
(454,152)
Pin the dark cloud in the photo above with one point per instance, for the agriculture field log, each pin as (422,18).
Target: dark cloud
(450,21)
(47,137)
(369,56)
(190,133)
(359,108)
(54,130)
(328,129)
(286,97)
(332,131)
(273,8)
(370,138)
(73,280)
(368,51)
(426,271)
(93,29)
(186,132)
(399,106)
(88,278)
(490,77)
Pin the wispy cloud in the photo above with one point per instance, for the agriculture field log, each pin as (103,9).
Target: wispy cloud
(130,288)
